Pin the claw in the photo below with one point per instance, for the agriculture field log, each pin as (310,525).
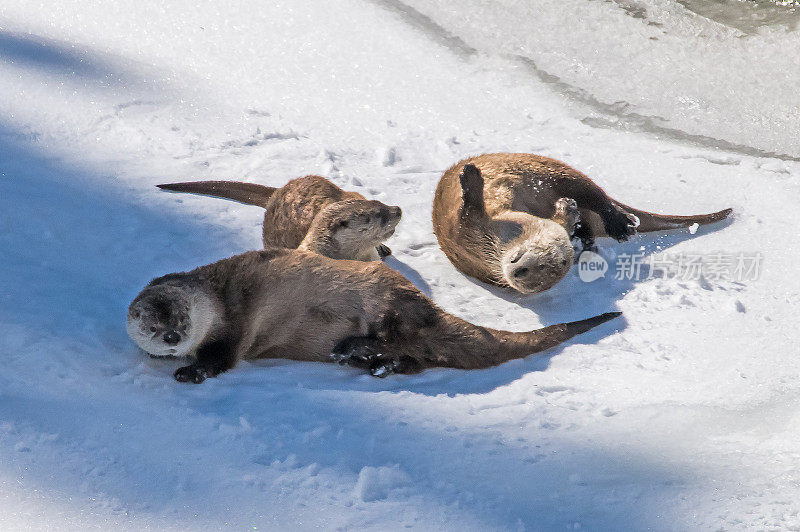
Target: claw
(382,371)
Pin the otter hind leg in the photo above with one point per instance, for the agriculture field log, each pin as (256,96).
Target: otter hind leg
(384,366)
(619,224)
(356,351)
(366,353)
(612,221)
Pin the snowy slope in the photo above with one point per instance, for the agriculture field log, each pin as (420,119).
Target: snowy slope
(682,415)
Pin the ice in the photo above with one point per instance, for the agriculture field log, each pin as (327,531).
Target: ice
(651,65)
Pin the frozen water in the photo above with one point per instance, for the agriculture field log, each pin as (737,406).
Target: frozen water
(652,65)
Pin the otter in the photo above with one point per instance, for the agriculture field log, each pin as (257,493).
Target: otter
(312,214)
(286,303)
(509,219)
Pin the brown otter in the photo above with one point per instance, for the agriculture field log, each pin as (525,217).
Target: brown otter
(508,218)
(284,303)
(311,213)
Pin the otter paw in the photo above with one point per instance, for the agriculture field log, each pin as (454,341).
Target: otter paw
(619,224)
(358,352)
(194,374)
(362,360)
(383,251)
(471,178)
(384,366)
(567,214)
(472,186)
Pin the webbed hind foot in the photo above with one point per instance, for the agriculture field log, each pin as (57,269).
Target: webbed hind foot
(365,353)
(619,224)
(357,351)
(383,366)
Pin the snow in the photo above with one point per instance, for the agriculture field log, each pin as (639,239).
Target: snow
(683,415)
(375,483)
(649,65)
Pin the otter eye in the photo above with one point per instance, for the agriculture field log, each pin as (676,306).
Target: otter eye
(343,223)
(153,329)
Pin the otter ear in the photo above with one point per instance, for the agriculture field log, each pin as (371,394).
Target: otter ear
(472,187)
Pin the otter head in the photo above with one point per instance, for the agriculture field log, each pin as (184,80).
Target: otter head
(352,228)
(160,321)
(538,259)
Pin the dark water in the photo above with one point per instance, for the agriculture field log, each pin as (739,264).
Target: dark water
(748,15)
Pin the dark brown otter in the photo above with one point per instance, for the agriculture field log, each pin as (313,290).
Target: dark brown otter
(311,213)
(508,218)
(282,303)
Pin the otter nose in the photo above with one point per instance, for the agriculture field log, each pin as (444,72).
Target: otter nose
(390,213)
(520,272)
(172,338)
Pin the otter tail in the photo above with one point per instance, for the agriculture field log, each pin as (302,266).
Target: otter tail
(459,344)
(522,344)
(649,221)
(248,193)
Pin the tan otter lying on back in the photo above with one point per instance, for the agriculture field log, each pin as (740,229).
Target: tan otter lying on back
(508,218)
(312,214)
(284,303)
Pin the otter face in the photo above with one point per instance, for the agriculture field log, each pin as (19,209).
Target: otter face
(362,223)
(159,321)
(537,262)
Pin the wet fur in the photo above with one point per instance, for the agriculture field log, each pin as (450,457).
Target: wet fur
(281,303)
